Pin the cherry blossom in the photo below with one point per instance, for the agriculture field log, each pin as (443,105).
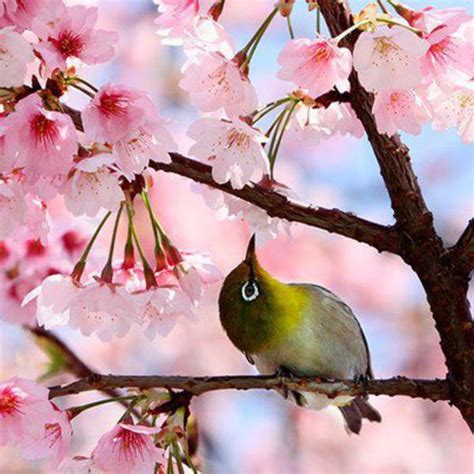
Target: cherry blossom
(389,58)
(15,54)
(53,300)
(215,82)
(52,441)
(21,403)
(159,309)
(127,449)
(79,465)
(13,207)
(232,147)
(74,36)
(454,107)
(42,142)
(399,110)
(316,66)
(93,186)
(174,18)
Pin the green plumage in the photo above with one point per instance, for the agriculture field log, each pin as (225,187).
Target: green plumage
(299,328)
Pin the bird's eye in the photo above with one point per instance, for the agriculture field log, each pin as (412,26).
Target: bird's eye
(250,291)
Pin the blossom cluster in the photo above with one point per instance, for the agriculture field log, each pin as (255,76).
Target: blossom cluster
(40,430)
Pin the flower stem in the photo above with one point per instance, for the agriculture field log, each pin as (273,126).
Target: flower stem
(391,21)
(79,267)
(79,409)
(382,6)
(318,21)
(269,107)
(285,122)
(149,277)
(88,84)
(260,30)
(354,27)
(83,90)
(107,270)
(290,27)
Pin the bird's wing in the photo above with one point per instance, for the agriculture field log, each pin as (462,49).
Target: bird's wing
(346,311)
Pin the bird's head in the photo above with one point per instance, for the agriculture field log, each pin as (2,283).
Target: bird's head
(249,295)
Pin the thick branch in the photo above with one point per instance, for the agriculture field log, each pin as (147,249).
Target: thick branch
(461,255)
(383,238)
(446,290)
(428,389)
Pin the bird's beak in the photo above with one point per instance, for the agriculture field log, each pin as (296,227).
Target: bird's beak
(251,257)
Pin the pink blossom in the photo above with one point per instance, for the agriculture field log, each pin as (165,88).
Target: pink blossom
(399,110)
(216,83)
(24,12)
(54,297)
(232,147)
(74,36)
(174,18)
(93,186)
(430,18)
(152,141)
(316,66)
(15,54)
(21,402)
(79,465)
(389,58)
(205,33)
(454,107)
(42,142)
(447,52)
(127,449)
(54,439)
(159,309)
(13,207)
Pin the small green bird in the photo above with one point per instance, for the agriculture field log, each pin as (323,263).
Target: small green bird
(296,329)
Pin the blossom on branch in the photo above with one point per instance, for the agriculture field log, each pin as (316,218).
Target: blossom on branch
(389,58)
(15,55)
(399,110)
(233,148)
(93,186)
(175,16)
(215,82)
(127,449)
(316,66)
(41,142)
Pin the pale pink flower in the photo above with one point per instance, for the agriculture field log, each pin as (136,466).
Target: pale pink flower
(341,119)
(13,207)
(24,12)
(447,52)
(152,141)
(38,223)
(430,18)
(107,310)
(316,66)
(389,58)
(215,82)
(21,403)
(128,449)
(7,7)
(54,297)
(42,142)
(54,439)
(205,33)
(74,36)
(454,108)
(93,186)
(399,110)
(175,16)
(159,309)
(15,55)
(232,147)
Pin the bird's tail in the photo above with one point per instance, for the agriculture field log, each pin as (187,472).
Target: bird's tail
(358,409)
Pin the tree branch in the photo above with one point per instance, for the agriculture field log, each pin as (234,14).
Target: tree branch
(383,238)
(461,255)
(445,289)
(434,390)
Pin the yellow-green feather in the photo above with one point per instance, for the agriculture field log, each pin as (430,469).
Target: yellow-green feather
(257,325)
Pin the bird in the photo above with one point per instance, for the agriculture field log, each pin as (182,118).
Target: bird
(297,330)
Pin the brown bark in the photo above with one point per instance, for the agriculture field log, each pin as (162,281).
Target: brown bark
(434,390)
(445,285)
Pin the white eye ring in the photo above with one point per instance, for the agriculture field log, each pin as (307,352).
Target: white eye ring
(250,291)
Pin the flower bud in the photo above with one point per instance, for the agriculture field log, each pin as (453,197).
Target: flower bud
(285,7)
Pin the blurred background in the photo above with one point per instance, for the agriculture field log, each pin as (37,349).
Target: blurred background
(253,431)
